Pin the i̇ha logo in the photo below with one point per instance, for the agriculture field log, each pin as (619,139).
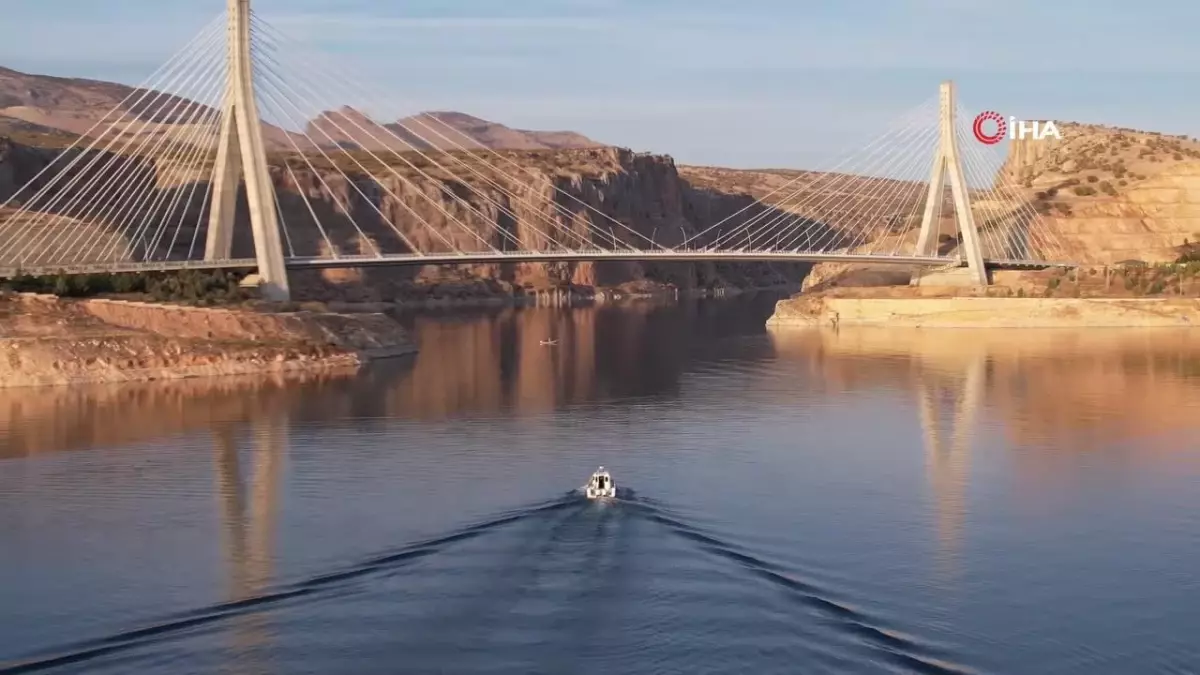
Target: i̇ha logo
(1013,129)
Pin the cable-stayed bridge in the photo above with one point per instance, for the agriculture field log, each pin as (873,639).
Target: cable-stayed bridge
(225,136)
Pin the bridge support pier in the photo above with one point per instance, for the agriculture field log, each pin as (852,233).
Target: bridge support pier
(241,154)
(948,165)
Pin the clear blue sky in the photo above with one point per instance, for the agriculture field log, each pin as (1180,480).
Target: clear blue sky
(731,82)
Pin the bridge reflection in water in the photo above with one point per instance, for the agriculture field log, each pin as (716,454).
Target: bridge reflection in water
(1052,392)
(249,505)
(1041,396)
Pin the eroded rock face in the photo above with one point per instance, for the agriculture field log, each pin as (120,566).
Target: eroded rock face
(1111,194)
(458,202)
(540,200)
(1150,221)
(1105,195)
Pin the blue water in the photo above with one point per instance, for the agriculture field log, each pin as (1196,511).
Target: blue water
(851,502)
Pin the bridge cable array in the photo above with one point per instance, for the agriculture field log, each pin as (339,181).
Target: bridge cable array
(872,201)
(411,155)
(1009,223)
(137,187)
(97,199)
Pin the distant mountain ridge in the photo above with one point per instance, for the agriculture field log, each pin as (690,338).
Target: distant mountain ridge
(439,130)
(72,106)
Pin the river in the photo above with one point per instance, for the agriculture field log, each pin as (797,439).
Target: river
(849,502)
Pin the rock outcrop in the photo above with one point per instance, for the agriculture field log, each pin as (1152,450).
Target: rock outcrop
(469,199)
(48,341)
(451,201)
(1112,194)
(1103,195)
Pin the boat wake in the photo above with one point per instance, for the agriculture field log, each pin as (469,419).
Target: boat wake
(557,577)
(179,623)
(890,644)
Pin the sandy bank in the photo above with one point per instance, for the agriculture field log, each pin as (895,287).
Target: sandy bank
(48,341)
(985,312)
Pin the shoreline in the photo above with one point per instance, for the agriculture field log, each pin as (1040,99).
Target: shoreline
(47,340)
(597,299)
(50,341)
(810,311)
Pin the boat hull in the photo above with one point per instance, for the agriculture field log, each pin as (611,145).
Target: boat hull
(593,493)
(600,486)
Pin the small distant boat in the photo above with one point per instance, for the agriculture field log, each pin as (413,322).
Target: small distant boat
(548,343)
(600,485)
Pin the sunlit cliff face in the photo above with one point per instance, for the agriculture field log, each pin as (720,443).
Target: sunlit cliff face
(551,199)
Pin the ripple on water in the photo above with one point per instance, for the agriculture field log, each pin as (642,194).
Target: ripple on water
(839,502)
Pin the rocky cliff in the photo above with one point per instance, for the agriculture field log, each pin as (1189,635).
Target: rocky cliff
(452,201)
(1103,194)
(1113,194)
(642,196)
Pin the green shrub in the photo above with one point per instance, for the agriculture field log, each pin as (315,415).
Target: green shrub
(205,287)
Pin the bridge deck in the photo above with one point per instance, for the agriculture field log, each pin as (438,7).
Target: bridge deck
(409,259)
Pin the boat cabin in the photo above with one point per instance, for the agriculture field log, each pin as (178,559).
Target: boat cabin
(601,485)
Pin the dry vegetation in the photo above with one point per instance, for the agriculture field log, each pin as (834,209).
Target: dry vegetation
(1121,281)
(1095,161)
(34,135)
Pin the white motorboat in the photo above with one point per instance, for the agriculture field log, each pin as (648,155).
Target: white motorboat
(600,485)
(549,343)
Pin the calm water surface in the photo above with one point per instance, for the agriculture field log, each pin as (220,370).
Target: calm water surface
(852,502)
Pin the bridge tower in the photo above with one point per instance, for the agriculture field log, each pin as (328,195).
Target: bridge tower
(241,154)
(948,165)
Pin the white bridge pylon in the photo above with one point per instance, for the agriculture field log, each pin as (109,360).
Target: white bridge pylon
(947,164)
(242,154)
(157,183)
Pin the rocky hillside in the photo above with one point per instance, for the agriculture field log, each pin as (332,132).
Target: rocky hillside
(349,128)
(646,193)
(1103,195)
(40,104)
(1113,194)
(844,202)
(70,107)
